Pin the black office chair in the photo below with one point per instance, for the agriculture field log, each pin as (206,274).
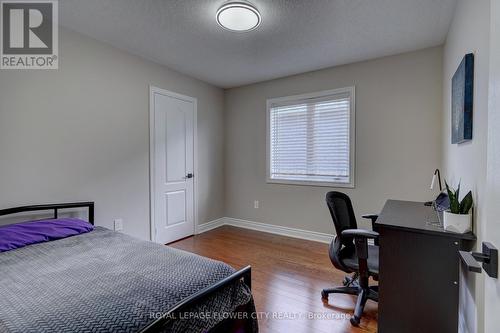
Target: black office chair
(350,252)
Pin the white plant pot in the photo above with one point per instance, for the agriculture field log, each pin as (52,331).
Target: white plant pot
(460,223)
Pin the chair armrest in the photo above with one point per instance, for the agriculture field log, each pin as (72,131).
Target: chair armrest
(372,217)
(361,237)
(360,233)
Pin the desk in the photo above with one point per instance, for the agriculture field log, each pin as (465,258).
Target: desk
(419,270)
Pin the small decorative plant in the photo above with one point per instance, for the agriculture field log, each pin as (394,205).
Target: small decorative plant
(456,206)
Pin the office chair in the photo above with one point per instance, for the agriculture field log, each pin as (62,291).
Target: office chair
(350,252)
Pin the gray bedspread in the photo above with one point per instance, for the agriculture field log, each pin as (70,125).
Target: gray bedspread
(104,281)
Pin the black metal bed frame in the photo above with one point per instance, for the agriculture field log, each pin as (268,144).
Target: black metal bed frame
(54,207)
(244,274)
(158,325)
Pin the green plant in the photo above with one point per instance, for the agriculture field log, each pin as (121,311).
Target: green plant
(457,206)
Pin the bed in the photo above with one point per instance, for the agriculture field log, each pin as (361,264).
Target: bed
(105,281)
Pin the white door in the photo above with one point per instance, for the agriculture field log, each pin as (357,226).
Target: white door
(172,165)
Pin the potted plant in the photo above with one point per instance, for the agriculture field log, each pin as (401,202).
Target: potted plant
(459,217)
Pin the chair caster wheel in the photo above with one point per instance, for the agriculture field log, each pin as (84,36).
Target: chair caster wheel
(354,321)
(324,295)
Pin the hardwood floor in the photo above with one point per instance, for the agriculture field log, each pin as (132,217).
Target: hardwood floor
(288,275)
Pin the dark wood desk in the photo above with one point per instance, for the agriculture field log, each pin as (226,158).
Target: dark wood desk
(419,270)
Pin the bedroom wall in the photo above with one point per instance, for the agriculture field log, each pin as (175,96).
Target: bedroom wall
(467,162)
(398,135)
(491,229)
(82,133)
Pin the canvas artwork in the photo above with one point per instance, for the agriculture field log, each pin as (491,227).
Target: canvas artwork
(462,100)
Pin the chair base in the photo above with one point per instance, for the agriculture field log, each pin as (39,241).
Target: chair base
(351,280)
(364,294)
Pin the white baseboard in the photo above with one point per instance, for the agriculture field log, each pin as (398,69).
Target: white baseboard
(269,228)
(201,228)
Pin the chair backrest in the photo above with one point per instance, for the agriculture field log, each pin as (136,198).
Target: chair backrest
(342,213)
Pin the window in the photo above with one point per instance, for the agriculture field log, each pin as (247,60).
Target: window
(310,139)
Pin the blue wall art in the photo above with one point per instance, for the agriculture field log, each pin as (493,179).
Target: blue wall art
(462,100)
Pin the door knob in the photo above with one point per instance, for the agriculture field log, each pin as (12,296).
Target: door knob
(189,175)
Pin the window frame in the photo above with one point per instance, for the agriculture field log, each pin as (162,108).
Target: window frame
(352,137)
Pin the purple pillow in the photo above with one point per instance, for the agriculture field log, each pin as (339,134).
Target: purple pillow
(14,236)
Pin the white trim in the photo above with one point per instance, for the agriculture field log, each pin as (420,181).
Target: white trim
(152,91)
(269,228)
(352,137)
(310,183)
(151,163)
(209,225)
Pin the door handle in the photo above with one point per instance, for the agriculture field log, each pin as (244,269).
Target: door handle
(189,175)
(489,258)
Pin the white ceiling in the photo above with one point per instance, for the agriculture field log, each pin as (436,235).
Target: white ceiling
(295,36)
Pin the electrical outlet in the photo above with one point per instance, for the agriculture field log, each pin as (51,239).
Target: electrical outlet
(256,204)
(118,225)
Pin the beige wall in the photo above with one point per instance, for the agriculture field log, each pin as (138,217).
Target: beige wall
(466,162)
(82,133)
(398,124)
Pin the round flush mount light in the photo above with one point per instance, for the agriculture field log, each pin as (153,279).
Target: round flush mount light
(238,16)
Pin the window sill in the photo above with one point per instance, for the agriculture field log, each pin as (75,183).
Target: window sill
(309,183)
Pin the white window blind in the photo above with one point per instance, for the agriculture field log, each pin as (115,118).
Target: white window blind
(310,139)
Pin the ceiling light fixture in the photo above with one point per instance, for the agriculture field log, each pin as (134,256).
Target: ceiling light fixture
(239,16)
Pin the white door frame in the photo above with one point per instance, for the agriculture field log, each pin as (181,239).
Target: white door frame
(152,91)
